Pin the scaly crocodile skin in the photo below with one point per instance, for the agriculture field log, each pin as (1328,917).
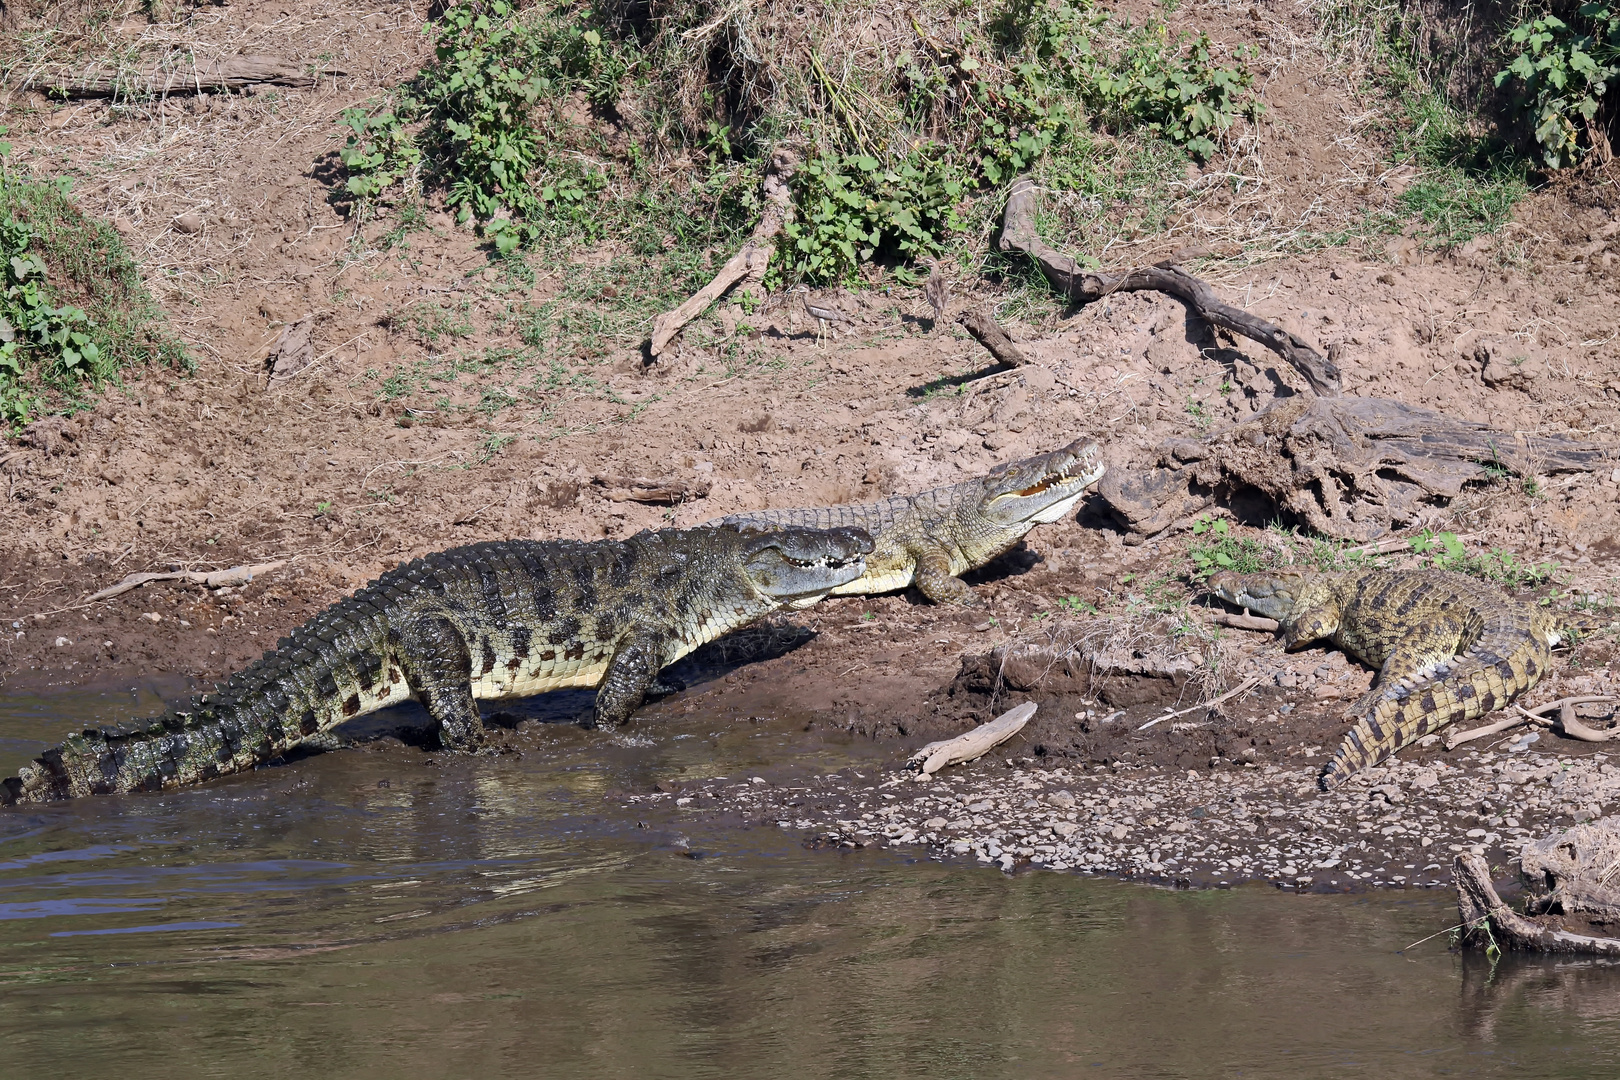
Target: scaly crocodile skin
(931,538)
(494,620)
(1448,647)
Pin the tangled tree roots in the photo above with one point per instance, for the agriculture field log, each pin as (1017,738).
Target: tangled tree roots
(1347,467)
(1018,234)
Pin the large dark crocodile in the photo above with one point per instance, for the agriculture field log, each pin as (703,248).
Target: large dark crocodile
(494,620)
(1448,647)
(930,538)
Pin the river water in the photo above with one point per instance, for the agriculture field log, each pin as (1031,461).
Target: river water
(385,912)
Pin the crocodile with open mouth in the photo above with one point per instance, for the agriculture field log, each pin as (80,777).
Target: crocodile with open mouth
(931,538)
(495,620)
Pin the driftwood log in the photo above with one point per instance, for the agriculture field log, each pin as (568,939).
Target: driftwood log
(1084,287)
(208,76)
(971,745)
(748,264)
(1486,918)
(1348,467)
(667,491)
(989,333)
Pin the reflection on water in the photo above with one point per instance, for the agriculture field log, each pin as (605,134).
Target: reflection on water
(386,912)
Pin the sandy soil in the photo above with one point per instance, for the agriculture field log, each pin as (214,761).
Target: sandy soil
(335,473)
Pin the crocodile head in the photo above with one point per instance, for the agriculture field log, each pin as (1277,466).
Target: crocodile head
(1276,595)
(1041,489)
(800,566)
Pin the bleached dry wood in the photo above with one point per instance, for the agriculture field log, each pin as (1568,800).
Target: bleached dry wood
(1247,684)
(214,579)
(748,264)
(1479,907)
(232,73)
(1244,622)
(971,745)
(1565,707)
(1571,726)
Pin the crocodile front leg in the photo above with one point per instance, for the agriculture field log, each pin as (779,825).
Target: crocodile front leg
(438,669)
(934,580)
(631,676)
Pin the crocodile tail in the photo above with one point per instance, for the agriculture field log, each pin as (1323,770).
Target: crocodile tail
(336,666)
(1495,670)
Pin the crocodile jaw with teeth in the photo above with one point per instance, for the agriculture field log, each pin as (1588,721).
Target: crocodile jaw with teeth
(930,538)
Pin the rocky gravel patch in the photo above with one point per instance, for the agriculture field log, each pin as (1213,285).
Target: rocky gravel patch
(1394,827)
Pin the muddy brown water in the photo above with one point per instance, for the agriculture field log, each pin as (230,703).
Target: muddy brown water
(383,911)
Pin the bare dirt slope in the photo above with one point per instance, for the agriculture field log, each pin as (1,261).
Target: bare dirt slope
(415,428)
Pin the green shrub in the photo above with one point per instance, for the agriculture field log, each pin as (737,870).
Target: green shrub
(1562,74)
(852,208)
(73,309)
(896,148)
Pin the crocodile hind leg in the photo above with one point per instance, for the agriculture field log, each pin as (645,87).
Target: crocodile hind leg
(631,676)
(934,580)
(438,669)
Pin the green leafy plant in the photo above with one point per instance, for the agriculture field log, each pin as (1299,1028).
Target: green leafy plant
(1446,551)
(1219,550)
(473,119)
(1562,75)
(378,154)
(852,208)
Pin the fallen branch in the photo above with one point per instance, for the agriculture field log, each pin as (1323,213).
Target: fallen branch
(989,333)
(1245,622)
(1487,919)
(666,492)
(748,264)
(1571,726)
(1247,684)
(1018,234)
(971,745)
(214,579)
(1565,707)
(232,73)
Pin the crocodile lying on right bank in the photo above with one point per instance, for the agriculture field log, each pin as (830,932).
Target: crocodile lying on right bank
(495,620)
(931,538)
(1448,647)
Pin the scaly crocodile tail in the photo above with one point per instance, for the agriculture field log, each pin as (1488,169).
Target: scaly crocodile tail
(1506,661)
(335,666)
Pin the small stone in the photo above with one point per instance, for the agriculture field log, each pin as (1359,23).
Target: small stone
(1119,832)
(934,823)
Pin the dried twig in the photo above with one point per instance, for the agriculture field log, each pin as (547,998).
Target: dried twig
(1247,684)
(972,744)
(214,579)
